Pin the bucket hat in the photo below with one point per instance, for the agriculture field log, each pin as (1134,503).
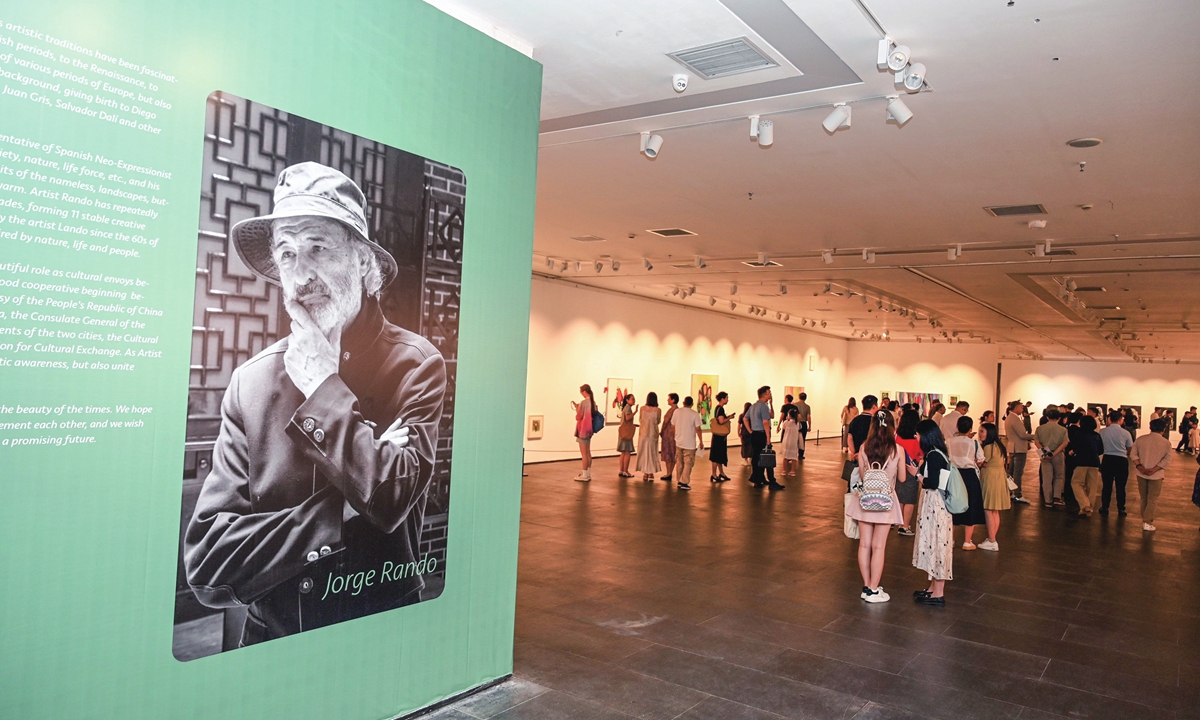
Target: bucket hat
(308,189)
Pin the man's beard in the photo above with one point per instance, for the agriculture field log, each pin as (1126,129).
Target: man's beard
(329,308)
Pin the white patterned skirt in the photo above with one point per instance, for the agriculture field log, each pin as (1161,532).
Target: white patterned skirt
(933,550)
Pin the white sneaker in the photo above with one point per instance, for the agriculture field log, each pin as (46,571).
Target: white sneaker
(989,545)
(968,545)
(1147,527)
(584,476)
(878,596)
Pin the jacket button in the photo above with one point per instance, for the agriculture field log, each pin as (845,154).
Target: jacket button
(308,425)
(312,556)
(325,550)
(318,435)
(346,356)
(306,585)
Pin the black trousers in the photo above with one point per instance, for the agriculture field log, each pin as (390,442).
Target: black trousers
(1185,442)
(1114,470)
(758,441)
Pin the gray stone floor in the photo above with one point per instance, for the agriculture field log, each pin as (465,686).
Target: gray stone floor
(636,600)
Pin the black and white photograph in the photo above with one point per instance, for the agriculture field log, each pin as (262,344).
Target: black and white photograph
(316,479)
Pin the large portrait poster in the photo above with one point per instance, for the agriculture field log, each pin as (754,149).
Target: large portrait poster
(704,391)
(321,396)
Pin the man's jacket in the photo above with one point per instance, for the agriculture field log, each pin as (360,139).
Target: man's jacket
(303,498)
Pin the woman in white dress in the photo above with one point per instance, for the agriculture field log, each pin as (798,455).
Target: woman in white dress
(933,550)
(647,453)
(791,441)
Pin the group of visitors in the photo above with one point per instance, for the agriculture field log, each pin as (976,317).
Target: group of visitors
(669,441)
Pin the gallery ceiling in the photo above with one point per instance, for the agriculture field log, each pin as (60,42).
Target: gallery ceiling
(1008,84)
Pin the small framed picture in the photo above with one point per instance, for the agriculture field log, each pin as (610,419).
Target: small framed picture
(534,427)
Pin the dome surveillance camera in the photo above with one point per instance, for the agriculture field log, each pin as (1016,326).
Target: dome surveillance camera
(679,82)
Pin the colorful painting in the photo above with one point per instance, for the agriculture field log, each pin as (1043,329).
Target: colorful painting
(794,391)
(704,391)
(534,429)
(616,389)
(923,401)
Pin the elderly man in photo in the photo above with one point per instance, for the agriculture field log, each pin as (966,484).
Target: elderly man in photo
(326,448)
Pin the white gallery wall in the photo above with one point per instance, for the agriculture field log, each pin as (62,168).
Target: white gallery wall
(966,370)
(1145,385)
(581,335)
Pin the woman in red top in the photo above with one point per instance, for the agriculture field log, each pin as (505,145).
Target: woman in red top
(907,491)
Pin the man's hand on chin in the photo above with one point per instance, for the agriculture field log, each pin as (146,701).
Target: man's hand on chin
(310,357)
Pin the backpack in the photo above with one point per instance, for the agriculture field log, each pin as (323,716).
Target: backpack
(597,422)
(876,494)
(955,492)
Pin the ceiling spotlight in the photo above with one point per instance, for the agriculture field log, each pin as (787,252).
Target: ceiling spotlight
(778,315)
(897,110)
(891,56)
(712,301)
(1037,224)
(578,266)
(783,289)
(804,322)
(732,305)
(550,262)
(864,299)
(1072,285)
(1039,250)
(751,310)
(911,78)
(763,260)
(616,265)
(869,257)
(651,144)
(827,256)
(699,261)
(824,323)
(766,133)
(675,291)
(563,266)
(646,264)
(839,119)
(599,266)
(953,252)
(786,317)
(733,289)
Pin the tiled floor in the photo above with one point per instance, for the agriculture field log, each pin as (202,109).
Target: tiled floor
(637,600)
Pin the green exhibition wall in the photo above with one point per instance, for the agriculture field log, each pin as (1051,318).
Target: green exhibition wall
(89,531)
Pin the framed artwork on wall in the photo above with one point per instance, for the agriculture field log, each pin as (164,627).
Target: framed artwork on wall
(1137,412)
(1171,415)
(793,390)
(1099,409)
(923,401)
(704,390)
(952,402)
(614,390)
(885,397)
(533,429)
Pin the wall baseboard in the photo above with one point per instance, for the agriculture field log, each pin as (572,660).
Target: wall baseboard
(429,709)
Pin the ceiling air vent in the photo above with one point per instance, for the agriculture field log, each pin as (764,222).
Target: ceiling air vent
(671,232)
(588,239)
(760,263)
(1006,210)
(728,57)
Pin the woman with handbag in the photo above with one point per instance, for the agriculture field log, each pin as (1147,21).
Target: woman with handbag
(994,479)
(718,451)
(583,430)
(668,436)
(647,463)
(967,456)
(933,550)
(744,435)
(881,465)
(625,432)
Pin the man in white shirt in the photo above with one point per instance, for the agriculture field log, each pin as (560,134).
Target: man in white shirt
(949,422)
(687,423)
(1150,454)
